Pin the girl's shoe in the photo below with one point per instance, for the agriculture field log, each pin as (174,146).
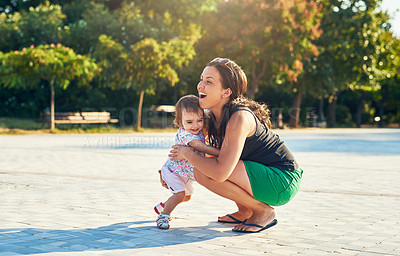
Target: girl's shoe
(159,208)
(163,221)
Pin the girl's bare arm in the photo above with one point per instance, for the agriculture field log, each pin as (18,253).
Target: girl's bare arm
(241,125)
(203,147)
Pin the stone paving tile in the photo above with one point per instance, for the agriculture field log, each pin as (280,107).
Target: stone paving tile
(93,195)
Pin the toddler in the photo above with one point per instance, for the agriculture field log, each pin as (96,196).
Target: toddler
(178,176)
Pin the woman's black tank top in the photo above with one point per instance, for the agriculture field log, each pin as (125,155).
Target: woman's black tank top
(265,147)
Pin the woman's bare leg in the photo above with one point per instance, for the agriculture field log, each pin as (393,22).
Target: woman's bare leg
(239,176)
(242,214)
(238,189)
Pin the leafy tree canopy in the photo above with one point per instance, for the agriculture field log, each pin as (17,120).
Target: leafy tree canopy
(55,63)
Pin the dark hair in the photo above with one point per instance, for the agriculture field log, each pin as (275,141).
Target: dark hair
(234,78)
(189,103)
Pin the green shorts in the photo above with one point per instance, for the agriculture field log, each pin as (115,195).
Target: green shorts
(271,185)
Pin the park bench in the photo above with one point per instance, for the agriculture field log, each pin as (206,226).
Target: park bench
(160,116)
(79,117)
(164,108)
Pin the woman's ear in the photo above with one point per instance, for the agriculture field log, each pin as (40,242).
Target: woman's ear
(227,93)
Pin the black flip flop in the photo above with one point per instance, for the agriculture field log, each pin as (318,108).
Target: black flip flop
(271,224)
(236,221)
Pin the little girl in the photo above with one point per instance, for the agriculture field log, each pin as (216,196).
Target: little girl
(178,176)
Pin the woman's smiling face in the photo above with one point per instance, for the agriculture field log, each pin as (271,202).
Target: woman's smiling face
(211,92)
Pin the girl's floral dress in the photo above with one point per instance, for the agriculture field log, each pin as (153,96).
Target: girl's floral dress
(183,167)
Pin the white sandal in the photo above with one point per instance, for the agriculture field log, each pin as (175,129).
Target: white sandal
(163,221)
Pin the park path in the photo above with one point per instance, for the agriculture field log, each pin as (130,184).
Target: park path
(93,194)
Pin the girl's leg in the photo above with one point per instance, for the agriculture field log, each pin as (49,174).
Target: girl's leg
(175,183)
(238,189)
(173,201)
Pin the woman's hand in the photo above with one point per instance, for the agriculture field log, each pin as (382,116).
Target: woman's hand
(178,152)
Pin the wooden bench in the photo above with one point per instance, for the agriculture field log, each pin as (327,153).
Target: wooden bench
(164,108)
(80,118)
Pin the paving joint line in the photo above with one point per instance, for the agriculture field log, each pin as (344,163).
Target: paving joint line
(355,193)
(352,168)
(368,251)
(71,176)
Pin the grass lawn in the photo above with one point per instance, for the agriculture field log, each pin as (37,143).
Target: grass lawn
(19,126)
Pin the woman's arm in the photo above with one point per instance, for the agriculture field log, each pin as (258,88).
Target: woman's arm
(240,126)
(203,147)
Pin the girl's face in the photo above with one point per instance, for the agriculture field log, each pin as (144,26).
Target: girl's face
(211,93)
(193,122)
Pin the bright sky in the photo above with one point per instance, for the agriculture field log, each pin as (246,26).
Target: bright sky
(391,6)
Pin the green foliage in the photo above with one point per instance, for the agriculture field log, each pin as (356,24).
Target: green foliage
(144,64)
(84,33)
(112,59)
(75,9)
(126,25)
(150,60)
(301,27)
(354,46)
(40,25)
(11,6)
(148,45)
(9,31)
(270,39)
(344,117)
(54,63)
(175,18)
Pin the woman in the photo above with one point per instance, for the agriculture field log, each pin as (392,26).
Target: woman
(254,168)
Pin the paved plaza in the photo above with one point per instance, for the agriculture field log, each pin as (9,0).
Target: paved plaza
(93,194)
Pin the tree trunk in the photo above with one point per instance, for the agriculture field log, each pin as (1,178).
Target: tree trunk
(332,109)
(295,111)
(251,92)
(139,121)
(381,112)
(359,110)
(321,117)
(255,78)
(382,102)
(52,113)
(176,92)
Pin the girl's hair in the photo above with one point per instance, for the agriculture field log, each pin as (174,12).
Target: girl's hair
(233,77)
(189,103)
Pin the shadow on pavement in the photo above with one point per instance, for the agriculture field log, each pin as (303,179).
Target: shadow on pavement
(127,235)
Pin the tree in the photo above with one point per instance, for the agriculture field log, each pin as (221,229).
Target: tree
(143,65)
(9,39)
(270,39)
(353,49)
(150,60)
(301,21)
(375,54)
(389,79)
(40,25)
(112,58)
(11,6)
(56,64)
